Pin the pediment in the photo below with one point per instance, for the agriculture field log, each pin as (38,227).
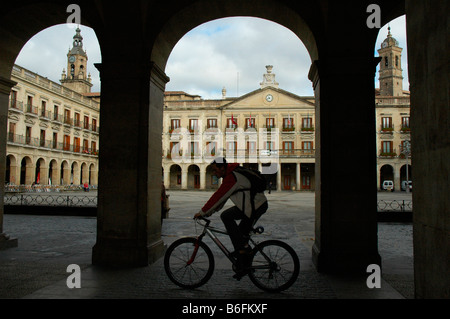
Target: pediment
(271,98)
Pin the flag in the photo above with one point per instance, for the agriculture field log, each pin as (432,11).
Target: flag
(233,121)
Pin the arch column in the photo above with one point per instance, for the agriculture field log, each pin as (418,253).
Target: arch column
(203,176)
(184,176)
(129,208)
(5,90)
(346,221)
(298,180)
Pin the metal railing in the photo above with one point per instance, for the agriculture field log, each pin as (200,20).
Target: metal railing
(65,200)
(395,206)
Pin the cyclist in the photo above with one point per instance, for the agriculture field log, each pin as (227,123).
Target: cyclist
(236,187)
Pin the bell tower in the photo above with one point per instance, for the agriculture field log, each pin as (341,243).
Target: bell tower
(76,78)
(390,74)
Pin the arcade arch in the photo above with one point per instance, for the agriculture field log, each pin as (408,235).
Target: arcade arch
(346,240)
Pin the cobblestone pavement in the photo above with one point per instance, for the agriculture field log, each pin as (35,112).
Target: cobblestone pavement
(48,244)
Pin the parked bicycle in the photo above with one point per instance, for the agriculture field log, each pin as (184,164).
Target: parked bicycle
(189,262)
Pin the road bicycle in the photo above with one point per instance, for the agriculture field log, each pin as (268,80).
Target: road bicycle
(189,263)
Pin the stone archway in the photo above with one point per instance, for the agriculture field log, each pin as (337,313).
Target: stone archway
(128,231)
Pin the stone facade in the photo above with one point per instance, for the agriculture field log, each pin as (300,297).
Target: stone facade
(53,130)
(273,126)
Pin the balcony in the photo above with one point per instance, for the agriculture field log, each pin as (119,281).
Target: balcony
(288,129)
(30,109)
(387,153)
(387,129)
(16,105)
(307,129)
(49,144)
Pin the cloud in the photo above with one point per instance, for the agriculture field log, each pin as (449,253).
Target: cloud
(46,52)
(230,53)
(233,53)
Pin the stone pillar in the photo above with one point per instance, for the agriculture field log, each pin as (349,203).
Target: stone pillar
(203,176)
(298,179)
(279,186)
(184,176)
(5,90)
(346,221)
(397,169)
(129,208)
(428,66)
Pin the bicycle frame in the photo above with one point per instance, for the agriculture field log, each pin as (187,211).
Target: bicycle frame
(210,230)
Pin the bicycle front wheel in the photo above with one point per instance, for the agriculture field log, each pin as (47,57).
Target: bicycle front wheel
(188,264)
(275,266)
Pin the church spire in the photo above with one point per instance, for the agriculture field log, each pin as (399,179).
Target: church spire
(391,78)
(76,77)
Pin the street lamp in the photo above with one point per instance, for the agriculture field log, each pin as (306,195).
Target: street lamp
(406,150)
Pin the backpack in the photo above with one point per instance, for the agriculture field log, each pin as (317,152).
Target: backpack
(257,182)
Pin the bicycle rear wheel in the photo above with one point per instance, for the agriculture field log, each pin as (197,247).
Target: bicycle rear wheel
(275,266)
(187,265)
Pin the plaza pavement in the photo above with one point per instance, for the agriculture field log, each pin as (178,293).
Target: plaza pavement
(37,268)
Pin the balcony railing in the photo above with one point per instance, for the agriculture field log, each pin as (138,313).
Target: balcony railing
(294,153)
(49,144)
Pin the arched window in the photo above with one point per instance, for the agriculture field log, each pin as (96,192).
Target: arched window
(386,61)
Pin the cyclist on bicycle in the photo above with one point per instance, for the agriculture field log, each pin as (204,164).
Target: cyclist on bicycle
(236,187)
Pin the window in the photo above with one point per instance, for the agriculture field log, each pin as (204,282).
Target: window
(174,124)
(405,122)
(42,138)
(93,146)
(85,146)
(77,120)
(94,125)
(43,108)
(386,123)
(270,145)
(193,125)
(174,151)
(386,61)
(307,123)
(66,143)
(307,145)
(250,122)
(288,147)
(211,148)
(55,112)
(231,148)
(270,122)
(76,144)
(251,148)
(211,123)
(28,135)
(232,122)
(86,122)
(288,123)
(386,147)
(67,118)
(194,149)
(13,103)
(12,132)
(55,140)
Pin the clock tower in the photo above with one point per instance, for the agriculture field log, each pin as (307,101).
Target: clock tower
(390,74)
(76,78)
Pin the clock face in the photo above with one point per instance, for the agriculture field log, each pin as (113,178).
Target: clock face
(269,97)
(384,44)
(72,59)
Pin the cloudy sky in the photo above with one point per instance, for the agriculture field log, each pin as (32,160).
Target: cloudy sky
(230,53)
